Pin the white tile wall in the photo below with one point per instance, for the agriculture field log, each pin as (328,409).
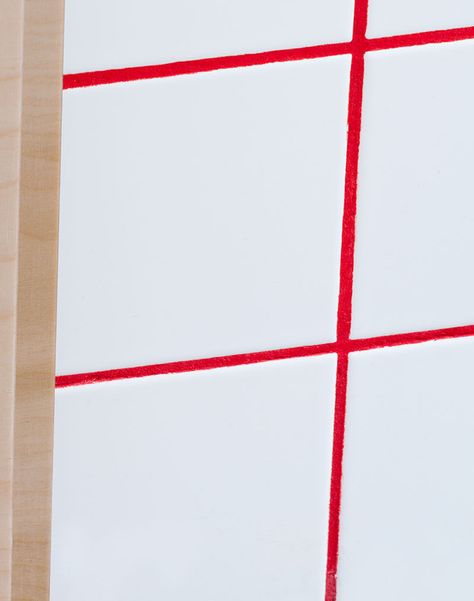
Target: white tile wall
(407,525)
(207,486)
(201,215)
(392,17)
(118,33)
(415,218)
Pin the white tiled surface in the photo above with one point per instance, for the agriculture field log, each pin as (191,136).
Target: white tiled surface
(206,486)
(201,215)
(407,525)
(117,33)
(392,17)
(415,218)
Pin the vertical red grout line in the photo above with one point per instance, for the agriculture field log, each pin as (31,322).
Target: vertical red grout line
(336,475)
(344,311)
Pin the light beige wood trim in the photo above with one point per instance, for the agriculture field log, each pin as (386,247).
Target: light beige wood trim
(11,27)
(36,301)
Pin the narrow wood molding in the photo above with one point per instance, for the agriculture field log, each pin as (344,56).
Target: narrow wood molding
(11,28)
(31,87)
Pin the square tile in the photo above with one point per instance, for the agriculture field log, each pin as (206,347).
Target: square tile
(414,240)
(201,215)
(407,525)
(211,486)
(116,33)
(392,17)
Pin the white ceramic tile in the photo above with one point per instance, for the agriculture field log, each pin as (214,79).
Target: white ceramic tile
(391,17)
(212,486)
(200,215)
(415,218)
(407,524)
(117,33)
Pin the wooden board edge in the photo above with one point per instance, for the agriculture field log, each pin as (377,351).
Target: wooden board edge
(36,297)
(11,42)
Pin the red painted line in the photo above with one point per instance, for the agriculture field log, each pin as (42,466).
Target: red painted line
(365,344)
(95,78)
(360,344)
(420,39)
(108,76)
(194,365)
(344,311)
(336,475)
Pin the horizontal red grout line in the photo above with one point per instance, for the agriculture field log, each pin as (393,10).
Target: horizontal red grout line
(195,364)
(361,344)
(419,39)
(202,65)
(366,344)
(94,78)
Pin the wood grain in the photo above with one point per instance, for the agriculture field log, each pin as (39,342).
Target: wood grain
(11,27)
(31,80)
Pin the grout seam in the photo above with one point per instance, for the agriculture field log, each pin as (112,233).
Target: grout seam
(351,346)
(346,277)
(203,65)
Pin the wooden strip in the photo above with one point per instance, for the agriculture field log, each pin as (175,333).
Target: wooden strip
(36,308)
(11,27)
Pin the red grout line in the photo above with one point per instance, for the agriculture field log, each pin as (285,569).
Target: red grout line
(344,311)
(360,344)
(391,340)
(336,475)
(194,365)
(202,65)
(420,39)
(94,78)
